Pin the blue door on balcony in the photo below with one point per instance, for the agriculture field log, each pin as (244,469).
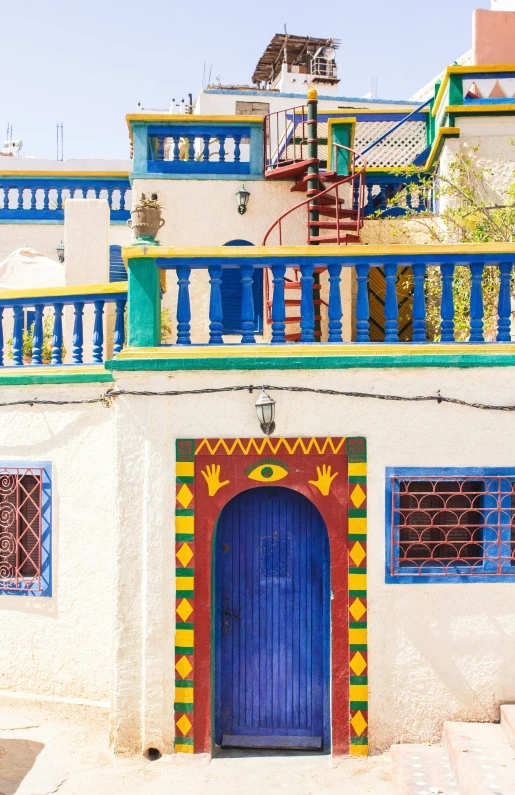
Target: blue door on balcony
(271,614)
(231,296)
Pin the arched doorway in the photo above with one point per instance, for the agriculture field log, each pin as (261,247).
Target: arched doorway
(271,619)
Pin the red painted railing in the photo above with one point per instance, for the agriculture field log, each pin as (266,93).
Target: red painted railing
(354,215)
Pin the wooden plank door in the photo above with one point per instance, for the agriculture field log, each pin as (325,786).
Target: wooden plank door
(272,622)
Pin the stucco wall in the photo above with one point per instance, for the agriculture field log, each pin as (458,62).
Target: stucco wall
(436,652)
(61,646)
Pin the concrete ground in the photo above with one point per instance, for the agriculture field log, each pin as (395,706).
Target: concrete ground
(48,748)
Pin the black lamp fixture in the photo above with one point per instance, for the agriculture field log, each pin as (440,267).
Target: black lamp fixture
(60,251)
(243,197)
(265,409)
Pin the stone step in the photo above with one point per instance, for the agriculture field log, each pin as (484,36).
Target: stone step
(422,770)
(482,760)
(508,722)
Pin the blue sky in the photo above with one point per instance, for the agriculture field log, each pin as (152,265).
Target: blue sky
(87,64)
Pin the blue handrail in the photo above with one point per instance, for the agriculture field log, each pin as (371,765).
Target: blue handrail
(386,134)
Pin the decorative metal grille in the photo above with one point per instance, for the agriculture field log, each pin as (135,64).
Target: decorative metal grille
(20,528)
(453,526)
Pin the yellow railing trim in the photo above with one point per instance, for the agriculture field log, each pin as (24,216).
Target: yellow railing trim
(66,292)
(94,174)
(443,132)
(463,70)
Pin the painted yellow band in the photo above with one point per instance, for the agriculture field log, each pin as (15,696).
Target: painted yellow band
(184,637)
(357,525)
(66,292)
(342,252)
(443,132)
(184,584)
(39,370)
(357,469)
(184,524)
(174,118)
(356,636)
(357,693)
(465,110)
(184,469)
(184,695)
(403,110)
(355,750)
(464,70)
(357,582)
(188,749)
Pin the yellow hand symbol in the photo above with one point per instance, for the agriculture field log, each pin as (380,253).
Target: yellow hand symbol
(212,478)
(323,483)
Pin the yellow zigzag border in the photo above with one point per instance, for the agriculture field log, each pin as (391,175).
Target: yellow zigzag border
(274,445)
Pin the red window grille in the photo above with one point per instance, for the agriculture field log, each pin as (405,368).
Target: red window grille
(20,528)
(453,526)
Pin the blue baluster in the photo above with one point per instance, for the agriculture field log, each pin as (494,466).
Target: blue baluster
(215,305)
(46,198)
(84,191)
(98,333)
(17,349)
(205,151)
(5,203)
(409,195)
(110,198)
(419,303)
(382,197)
(59,202)
(391,309)
(504,306)
(183,306)
(335,303)
(160,147)
(33,198)
(362,304)
(221,151)
(119,326)
(37,335)
(237,150)
(20,199)
(191,148)
(476,303)
(307,310)
(96,191)
(122,198)
(1,336)
(78,332)
(247,304)
(278,307)
(57,337)
(447,304)
(176,147)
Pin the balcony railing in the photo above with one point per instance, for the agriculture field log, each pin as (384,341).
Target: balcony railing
(404,311)
(390,196)
(33,325)
(33,197)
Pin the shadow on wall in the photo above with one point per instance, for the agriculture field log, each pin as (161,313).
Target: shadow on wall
(17,758)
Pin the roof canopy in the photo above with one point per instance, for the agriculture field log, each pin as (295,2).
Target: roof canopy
(299,50)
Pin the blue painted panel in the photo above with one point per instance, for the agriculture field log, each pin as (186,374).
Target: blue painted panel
(117,272)
(231,297)
(196,167)
(272,605)
(188,130)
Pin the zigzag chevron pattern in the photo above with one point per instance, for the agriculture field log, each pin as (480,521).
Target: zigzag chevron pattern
(248,446)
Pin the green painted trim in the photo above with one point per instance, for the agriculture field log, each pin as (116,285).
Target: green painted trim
(357,478)
(144,304)
(358,680)
(462,360)
(357,536)
(184,740)
(179,706)
(184,649)
(358,647)
(358,513)
(189,683)
(361,705)
(357,594)
(184,512)
(186,572)
(185,594)
(455,89)
(184,537)
(356,569)
(184,625)
(359,740)
(56,378)
(357,624)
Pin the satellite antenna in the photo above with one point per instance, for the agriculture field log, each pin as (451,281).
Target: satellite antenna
(329,53)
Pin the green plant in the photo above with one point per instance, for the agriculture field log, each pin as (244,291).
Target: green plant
(148,204)
(28,340)
(472,210)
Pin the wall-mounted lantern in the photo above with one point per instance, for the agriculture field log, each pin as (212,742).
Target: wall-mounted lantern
(265,409)
(243,197)
(60,251)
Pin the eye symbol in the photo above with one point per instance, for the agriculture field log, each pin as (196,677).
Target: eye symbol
(267,473)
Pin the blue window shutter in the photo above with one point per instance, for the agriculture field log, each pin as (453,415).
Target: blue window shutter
(117,272)
(231,296)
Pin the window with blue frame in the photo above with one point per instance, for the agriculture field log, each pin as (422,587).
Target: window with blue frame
(448,524)
(25,529)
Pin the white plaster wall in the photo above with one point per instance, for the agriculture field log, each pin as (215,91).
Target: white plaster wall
(437,652)
(61,646)
(35,164)
(209,103)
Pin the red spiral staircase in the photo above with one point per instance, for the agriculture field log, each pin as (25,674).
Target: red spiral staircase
(334,205)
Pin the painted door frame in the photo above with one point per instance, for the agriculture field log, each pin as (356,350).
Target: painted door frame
(209,472)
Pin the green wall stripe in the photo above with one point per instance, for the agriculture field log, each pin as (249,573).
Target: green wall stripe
(184,512)
(185,625)
(180,707)
(185,594)
(357,570)
(184,479)
(359,740)
(184,537)
(184,649)
(184,740)
(355,594)
(183,683)
(357,624)
(186,572)
(361,705)
(357,513)
(357,478)
(56,378)
(357,537)
(358,680)
(358,647)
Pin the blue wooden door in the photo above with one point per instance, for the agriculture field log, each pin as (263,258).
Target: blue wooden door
(272,622)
